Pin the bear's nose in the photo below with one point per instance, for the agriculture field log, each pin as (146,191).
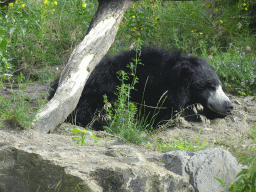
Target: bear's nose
(229,106)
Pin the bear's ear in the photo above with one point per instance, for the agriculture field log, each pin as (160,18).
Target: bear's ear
(181,73)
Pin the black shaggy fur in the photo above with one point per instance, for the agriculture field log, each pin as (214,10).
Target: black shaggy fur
(187,79)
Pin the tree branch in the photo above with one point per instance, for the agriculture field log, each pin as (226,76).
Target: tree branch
(82,61)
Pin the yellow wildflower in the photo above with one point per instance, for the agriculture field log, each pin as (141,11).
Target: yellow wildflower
(192,31)
(217,9)
(55,3)
(210,57)
(23,5)
(221,21)
(46,1)
(53,10)
(239,25)
(11,4)
(246,8)
(84,5)
(244,4)
(200,33)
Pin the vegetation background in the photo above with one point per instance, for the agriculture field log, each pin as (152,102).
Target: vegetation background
(37,37)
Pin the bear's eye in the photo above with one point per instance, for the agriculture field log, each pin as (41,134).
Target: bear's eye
(210,85)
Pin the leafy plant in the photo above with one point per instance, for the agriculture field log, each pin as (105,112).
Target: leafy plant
(123,122)
(81,139)
(181,145)
(5,67)
(246,178)
(16,110)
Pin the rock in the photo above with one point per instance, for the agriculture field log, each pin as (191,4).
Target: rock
(200,168)
(33,162)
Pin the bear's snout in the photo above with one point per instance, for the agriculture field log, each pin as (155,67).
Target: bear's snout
(219,102)
(229,106)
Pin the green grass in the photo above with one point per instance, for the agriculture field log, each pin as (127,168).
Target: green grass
(36,36)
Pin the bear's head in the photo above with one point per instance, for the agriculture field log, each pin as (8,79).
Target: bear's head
(204,87)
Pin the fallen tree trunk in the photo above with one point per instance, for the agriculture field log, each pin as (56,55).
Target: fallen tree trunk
(82,61)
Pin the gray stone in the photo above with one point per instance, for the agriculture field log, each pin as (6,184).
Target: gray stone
(34,162)
(200,168)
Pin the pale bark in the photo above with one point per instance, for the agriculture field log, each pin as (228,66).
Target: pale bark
(82,61)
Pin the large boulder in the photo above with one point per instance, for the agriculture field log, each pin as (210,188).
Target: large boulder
(30,161)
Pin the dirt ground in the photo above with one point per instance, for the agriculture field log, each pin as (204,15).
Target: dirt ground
(229,133)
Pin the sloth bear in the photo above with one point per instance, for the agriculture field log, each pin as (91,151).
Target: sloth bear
(186,79)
